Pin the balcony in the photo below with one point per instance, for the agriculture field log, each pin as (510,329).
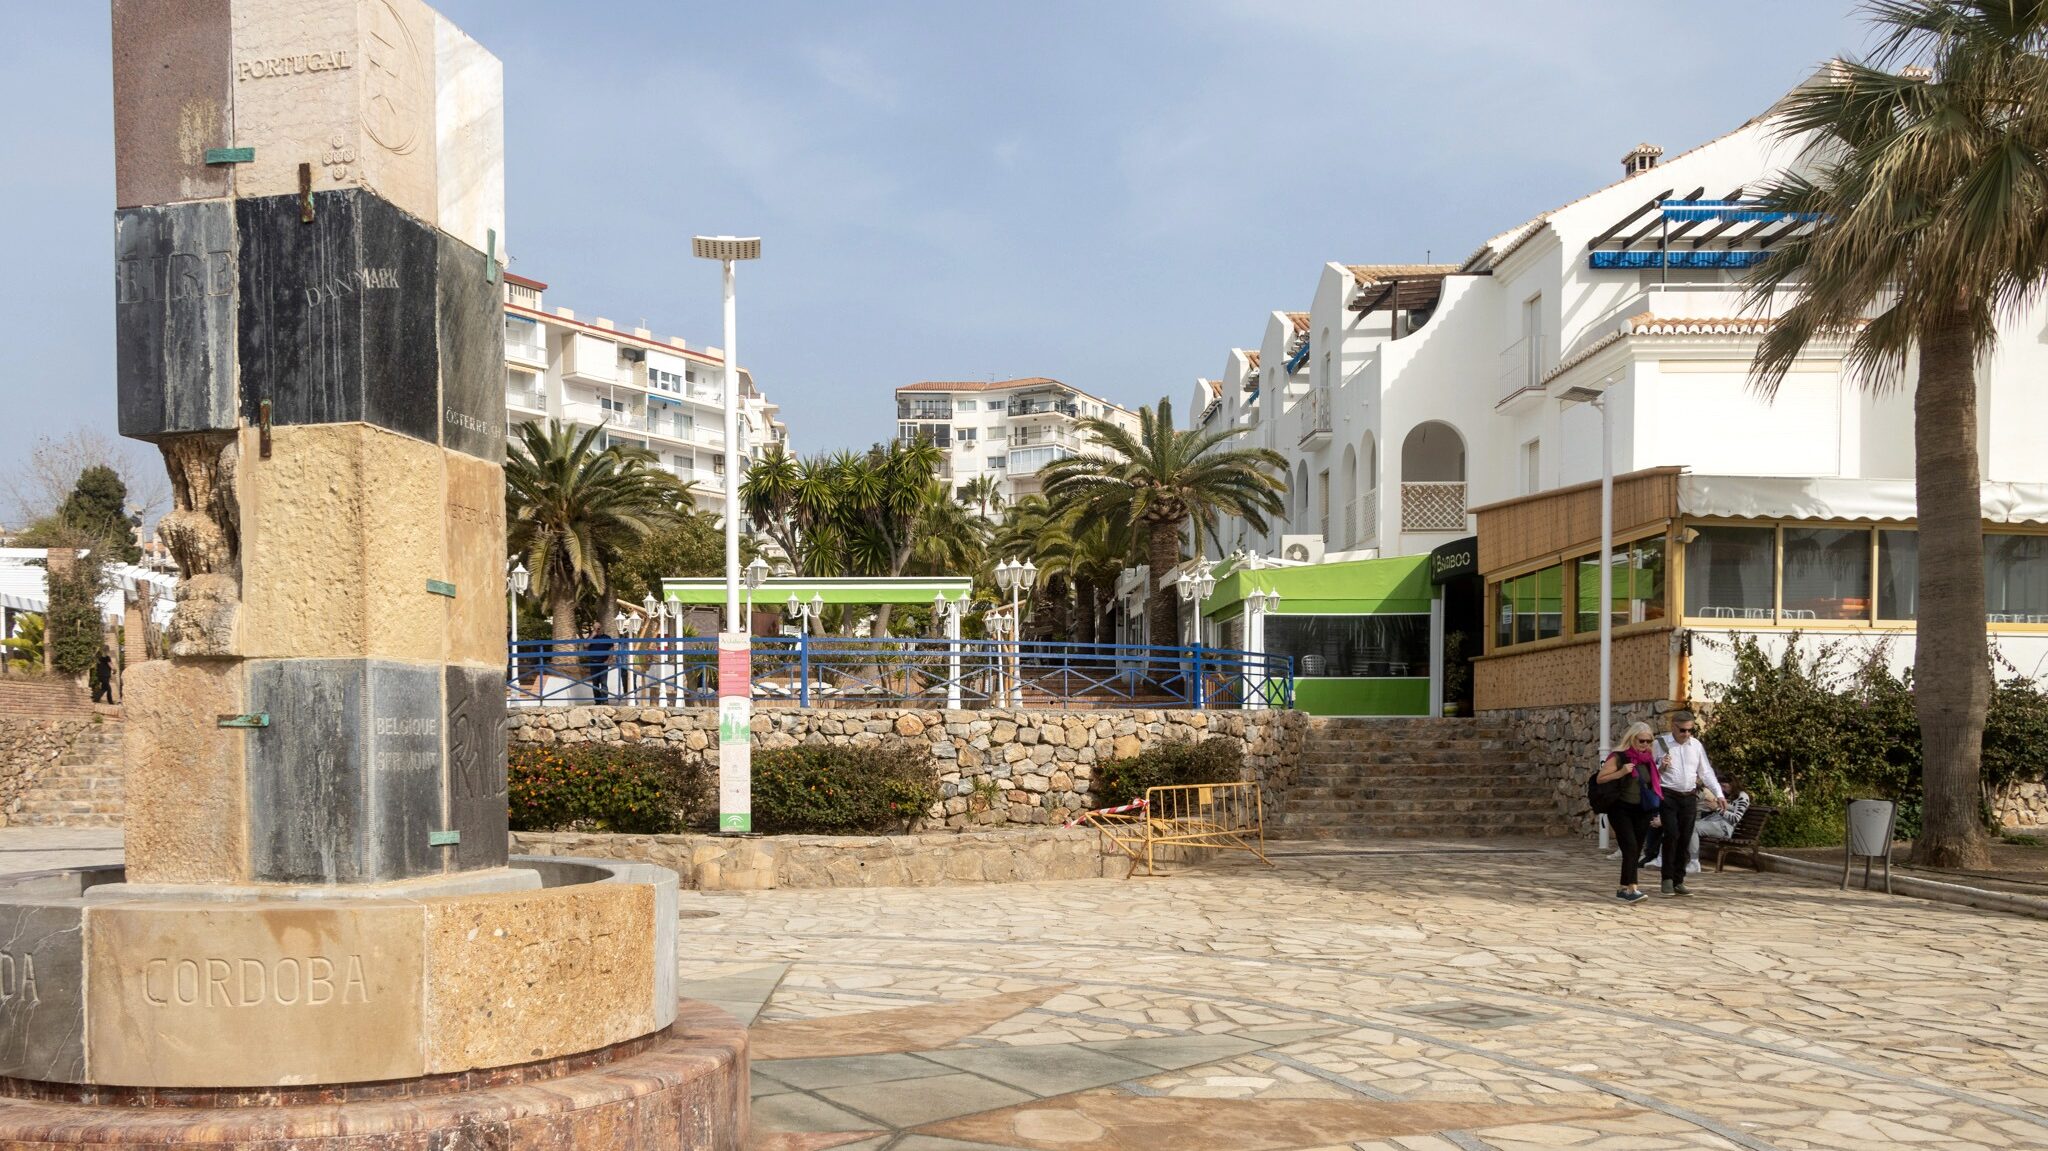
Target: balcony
(1043,409)
(526,401)
(1315,418)
(527,353)
(924,409)
(1027,461)
(1433,506)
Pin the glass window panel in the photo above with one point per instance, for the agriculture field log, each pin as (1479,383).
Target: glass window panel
(1898,573)
(1729,573)
(1352,647)
(1530,607)
(2015,578)
(1827,573)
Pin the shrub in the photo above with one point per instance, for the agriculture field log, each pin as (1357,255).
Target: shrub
(599,787)
(1213,760)
(1805,733)
(840,790)
(71,627)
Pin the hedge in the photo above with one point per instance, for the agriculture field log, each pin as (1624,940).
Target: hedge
(827,790)
(1806,732)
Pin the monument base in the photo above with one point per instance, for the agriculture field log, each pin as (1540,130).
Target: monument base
(683,1087)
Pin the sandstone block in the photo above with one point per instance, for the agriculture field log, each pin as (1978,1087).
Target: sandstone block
(185,775)
(474,542)
(341,531)
(173,100)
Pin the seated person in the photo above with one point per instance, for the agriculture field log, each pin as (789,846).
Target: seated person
(1717,825)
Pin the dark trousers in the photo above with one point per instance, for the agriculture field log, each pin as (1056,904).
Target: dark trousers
(1681,814)
(1629,824)
(1653,845)
(102,689)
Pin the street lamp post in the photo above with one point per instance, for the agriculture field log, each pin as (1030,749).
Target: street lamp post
(1597,398)
(1194,588)
(1014,577)
(516,582)
(735,672)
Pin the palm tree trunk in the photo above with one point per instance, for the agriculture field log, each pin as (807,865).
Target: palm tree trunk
(1162,551)
(1084,610)
(562,603)
(1951,663)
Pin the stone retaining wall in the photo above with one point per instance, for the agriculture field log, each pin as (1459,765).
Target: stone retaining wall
(2021,805)
(46,697)
(1561,746)
(995,767)
(29,746)
(932,859)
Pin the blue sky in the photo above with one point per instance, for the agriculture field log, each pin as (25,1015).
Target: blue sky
(1108,193)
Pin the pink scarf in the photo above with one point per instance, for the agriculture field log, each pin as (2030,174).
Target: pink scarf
(1645,766)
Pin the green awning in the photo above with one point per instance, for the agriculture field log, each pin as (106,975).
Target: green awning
(855,590)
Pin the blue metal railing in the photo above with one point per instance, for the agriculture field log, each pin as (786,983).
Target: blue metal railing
(828,671)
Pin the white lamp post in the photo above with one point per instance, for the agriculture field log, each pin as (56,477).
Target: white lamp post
(1195,588)
(757,574)
(516,582)
(1013,576)
(735,672)
(1597,398)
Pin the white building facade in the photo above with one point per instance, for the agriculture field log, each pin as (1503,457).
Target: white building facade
(655,393)
(1405,396)
(1007,430)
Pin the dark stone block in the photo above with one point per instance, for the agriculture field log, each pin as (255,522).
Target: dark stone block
(174,318)
(173,99)
(337,318)
(476,765)
(472,344)
(42,991)
(345,783)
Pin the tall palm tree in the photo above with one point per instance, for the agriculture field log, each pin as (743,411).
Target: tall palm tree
(1165,478)
(1926,166)
(985,492)
(572,508)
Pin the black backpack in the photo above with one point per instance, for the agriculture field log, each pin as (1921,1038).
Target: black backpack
(1605,797)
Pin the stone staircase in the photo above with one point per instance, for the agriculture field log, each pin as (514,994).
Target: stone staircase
(1412,779)
(82,789)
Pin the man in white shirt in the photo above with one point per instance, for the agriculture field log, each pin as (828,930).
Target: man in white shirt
(1683,769)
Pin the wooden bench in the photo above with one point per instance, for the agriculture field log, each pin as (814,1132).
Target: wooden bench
(1748,838)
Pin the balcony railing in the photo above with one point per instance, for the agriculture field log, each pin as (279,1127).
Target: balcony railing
(525,351)
(1043,408)
(1433,506)
(1315,417)
(1365,520)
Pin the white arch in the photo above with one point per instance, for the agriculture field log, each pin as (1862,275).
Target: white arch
(1433,451)
(1304,514)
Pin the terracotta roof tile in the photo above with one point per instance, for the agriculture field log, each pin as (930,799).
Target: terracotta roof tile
(976,385)
(1252,357)
(1299,320)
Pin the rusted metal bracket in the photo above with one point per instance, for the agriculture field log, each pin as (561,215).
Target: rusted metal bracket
(305,193)
(263,429)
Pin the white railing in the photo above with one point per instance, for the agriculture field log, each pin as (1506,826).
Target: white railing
(1433,506)
(1367,520)
(523,350)
(1315,415)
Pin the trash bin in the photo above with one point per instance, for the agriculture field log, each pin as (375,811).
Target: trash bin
(1870,823)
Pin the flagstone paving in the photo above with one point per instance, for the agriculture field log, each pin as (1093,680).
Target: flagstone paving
(1387,1000)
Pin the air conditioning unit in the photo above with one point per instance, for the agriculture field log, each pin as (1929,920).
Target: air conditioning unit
(1302,549)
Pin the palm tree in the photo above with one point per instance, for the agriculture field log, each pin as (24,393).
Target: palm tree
(1925,169)
(23,650)
(573,509)
(985,492)
(1164,478)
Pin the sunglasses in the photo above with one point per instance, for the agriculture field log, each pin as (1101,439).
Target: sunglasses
(1683,730)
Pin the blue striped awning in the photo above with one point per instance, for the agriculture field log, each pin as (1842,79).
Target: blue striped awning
(1736,210)
(1654,259)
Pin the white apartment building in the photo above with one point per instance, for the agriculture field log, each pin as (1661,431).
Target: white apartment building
(1008,429)
(659,394)
(1405,396)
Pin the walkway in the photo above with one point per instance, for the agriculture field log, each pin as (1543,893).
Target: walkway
(1415,997)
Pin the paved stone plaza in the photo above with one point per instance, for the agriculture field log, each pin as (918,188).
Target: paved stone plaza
(1423,998)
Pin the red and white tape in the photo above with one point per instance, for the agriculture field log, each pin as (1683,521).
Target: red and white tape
(1138,805)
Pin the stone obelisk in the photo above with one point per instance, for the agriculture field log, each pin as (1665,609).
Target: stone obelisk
(319,940)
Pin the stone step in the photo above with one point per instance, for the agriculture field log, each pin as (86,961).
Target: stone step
(1503,794)
(73,819)
(106,791)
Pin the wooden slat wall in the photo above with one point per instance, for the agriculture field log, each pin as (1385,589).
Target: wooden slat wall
(1570,673)
(1543,525)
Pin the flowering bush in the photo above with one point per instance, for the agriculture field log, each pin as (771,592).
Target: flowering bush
(596,787)
(838,790)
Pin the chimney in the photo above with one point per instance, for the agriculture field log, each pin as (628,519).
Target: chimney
(1641,158)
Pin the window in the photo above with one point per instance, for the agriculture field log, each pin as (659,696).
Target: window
(1638,589)
(718,464)
(1827,573)
(2015,578)
(965,435)
(1730,572)
(522,335)
(1532,467)
(1530,607)
(664,381)
(1898,573)
(963,405)
(998,463)
(1352,646)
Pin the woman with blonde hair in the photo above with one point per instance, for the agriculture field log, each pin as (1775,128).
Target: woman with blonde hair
(1633,765)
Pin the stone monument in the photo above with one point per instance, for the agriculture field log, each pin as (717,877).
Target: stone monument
(318,938)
